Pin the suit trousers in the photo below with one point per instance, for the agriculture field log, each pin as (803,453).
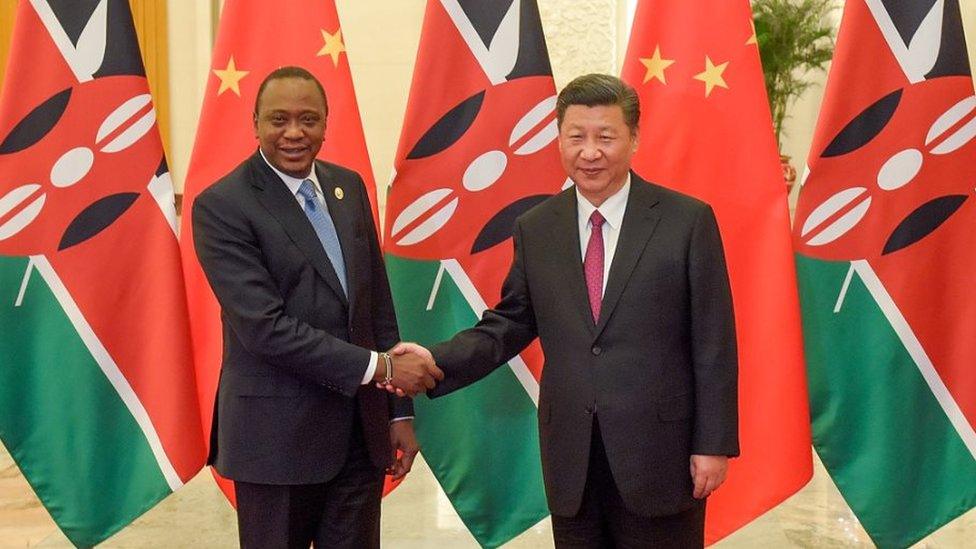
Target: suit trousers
(343,512)
(604,521)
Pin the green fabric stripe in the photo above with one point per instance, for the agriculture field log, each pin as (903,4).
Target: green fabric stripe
(481,442)
(63,422)
(882,435)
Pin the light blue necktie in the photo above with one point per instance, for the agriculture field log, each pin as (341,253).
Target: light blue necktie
(325,229)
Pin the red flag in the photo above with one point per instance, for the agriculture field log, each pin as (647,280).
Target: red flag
(254,39)
(706,131)
(86,199)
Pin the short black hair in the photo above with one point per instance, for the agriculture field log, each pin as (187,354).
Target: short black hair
(289,72)
(591,90)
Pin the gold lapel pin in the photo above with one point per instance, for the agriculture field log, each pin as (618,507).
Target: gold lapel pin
(338,193)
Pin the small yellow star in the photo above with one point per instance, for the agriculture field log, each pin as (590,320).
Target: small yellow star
(333,45)
(712,76)
(655,66)
(752,39)
(230,78)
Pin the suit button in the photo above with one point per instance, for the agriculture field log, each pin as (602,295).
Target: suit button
(596,350)
(590,409)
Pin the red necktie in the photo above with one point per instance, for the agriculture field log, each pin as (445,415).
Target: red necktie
(593,264)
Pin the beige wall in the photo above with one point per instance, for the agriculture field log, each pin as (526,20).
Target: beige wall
(190,41)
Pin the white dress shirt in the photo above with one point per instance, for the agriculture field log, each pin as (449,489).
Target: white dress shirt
(293,183)
(612,209)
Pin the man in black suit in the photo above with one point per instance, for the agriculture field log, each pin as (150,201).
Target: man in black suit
(289,247)
(625,284)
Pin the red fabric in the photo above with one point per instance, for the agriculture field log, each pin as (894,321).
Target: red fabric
(259,37)
(721,149)
(441,82)
(930,279)
(124,277)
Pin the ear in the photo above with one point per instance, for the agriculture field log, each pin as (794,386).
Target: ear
(255,119)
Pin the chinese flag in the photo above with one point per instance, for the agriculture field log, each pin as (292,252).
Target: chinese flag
(706,131)
(254,39)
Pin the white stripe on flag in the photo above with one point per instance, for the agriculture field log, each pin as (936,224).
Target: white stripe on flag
(918,56)
(85,58)
(918,354)
(478,305)
(109,368)
(499,58)
(161,189)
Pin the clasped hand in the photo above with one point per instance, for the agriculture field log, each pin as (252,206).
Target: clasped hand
(414,371)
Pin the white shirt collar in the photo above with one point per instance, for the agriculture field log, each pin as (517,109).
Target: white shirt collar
(612,209)
(293,183)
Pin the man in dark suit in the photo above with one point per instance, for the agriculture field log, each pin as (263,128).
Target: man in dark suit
(289,247)
(625,284)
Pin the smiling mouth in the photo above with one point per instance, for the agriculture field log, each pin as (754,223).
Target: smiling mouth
(294,152)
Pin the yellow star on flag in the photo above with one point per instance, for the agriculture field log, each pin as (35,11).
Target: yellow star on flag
(752,38)
(333,45)
(712,76)
(655,66)
(230,78)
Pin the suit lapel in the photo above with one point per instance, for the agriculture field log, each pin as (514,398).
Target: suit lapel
(283,206)
(566,247)
(343,215)
(639,222)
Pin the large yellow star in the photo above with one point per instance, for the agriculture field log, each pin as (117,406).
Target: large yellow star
(230,78)
(655,66)
(333,45)
(712,76)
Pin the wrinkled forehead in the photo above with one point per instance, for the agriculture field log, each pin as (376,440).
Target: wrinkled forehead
(593,117)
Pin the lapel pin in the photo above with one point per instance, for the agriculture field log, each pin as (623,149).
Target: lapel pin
(338,193)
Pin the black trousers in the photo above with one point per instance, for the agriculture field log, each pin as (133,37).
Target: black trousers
(343,512)
(604,522)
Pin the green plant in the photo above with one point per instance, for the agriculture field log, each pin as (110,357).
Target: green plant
(795,37)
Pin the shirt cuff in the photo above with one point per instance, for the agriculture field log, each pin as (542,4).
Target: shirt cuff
(396,419)
(370,368)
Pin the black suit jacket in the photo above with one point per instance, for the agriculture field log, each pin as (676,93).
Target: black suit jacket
(295,348)
(659,369)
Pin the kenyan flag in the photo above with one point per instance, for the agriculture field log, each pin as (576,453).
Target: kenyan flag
(97,400)
(478,148)
(886,253)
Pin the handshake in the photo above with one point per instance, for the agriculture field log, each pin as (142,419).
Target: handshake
(411,370)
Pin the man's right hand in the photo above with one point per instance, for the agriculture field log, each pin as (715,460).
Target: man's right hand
(414,370)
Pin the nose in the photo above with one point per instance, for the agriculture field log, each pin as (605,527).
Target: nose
(293,130)
(590,152)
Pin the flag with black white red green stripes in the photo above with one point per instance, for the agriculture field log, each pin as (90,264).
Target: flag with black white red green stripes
(97,393)
(886,253)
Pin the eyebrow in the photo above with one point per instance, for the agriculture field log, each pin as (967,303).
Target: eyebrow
(300,113)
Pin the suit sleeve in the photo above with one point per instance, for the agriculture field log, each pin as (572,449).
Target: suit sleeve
(502,332)
(385,328)
(713,342)
(251,304)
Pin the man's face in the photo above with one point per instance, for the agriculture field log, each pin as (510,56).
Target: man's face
(596,147)
(290,124)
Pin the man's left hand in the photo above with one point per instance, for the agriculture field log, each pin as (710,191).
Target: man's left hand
(708,473)
(403,439)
